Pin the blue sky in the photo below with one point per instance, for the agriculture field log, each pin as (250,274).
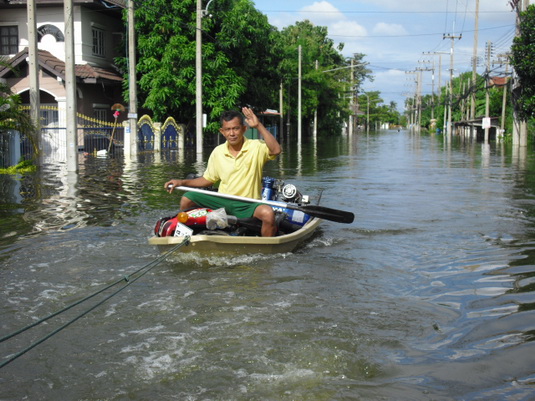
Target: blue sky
(396,34)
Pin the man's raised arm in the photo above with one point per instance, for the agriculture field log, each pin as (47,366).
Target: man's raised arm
(252,120)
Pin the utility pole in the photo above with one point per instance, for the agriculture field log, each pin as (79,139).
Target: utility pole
(131,147)
(420,70)
(299,51)
(413,113)
(504,59)
(281,134)
(474,65)
(34,73)
(419,98)
(487,89)
(520,134)
(198,78)
(504,97)
(439,54)
(450,97)
(70,89)
(433,90)
(315,131)
(352,98)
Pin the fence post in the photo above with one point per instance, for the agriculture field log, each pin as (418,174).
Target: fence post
(14,148)
(181,133)
(157,137)
(127,147)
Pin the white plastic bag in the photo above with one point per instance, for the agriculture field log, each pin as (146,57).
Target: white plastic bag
(217,219)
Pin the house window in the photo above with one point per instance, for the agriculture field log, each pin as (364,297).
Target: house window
(100,114)
(98,42)
(9,40)
(49,115)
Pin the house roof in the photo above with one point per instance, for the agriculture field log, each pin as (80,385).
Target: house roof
(99,3)
(499,81)
(84,72)
(109,7)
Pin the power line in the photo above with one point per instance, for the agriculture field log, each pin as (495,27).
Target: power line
(368,12)
(415,35)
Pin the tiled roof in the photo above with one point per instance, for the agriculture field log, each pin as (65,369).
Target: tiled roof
(88,72)
(118,3)
(499,81)
(50,63)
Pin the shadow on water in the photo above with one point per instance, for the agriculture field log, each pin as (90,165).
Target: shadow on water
(429,294)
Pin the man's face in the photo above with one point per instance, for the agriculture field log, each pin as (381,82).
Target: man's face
(233,131)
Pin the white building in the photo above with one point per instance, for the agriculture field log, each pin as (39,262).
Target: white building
(99,32)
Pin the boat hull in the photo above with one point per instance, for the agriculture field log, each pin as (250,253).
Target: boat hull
(226,244)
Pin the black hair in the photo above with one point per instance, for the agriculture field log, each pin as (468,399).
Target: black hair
(231,115)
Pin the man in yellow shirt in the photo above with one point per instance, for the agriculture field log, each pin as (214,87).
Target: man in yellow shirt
(237,165)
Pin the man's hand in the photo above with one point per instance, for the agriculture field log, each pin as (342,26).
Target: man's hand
(199,182)
(170,185)
(250,117)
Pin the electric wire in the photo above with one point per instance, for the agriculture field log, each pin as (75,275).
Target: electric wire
(464,19)
(128,279)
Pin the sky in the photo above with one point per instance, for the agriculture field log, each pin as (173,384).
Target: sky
(400,37)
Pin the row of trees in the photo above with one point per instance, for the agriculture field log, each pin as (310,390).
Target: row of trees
(434,106)
(245,62)
(520,99)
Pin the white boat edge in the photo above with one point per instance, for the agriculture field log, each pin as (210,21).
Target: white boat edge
(239,244)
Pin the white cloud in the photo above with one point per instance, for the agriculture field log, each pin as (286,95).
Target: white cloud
(347,28)
(410,5)
(383,28)
(394,34)
(323,10)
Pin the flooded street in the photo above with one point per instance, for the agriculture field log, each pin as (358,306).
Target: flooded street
(428,295)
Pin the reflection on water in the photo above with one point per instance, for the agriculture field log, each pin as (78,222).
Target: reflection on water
(429,294)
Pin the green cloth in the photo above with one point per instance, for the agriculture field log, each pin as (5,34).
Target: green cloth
(242,210)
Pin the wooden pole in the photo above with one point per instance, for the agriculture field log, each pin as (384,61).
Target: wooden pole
(132,82)
(34,73)
(198,79)
(299,126)
(70,88)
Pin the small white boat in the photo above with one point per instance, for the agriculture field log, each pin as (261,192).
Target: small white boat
(297,223)
(228,244)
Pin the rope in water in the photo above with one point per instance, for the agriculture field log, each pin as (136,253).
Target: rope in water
(128,279)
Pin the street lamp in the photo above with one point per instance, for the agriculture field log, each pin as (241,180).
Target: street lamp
(205,11)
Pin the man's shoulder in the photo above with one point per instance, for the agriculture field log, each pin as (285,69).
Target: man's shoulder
(253,143)
(220,149)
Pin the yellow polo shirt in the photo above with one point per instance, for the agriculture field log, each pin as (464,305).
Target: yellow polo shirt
(240,175)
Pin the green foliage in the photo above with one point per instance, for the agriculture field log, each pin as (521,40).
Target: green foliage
(239,64)
(23,167)
(371,107)
(245,60)
(13,116)
(522,58)
(461,101)
(323,90)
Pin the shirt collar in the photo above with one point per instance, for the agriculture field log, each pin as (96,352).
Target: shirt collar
(244,148)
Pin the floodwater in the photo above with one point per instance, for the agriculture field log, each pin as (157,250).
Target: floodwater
(428,295)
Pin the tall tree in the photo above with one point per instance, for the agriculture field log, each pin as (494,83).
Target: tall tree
(239,62)
(325,88)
